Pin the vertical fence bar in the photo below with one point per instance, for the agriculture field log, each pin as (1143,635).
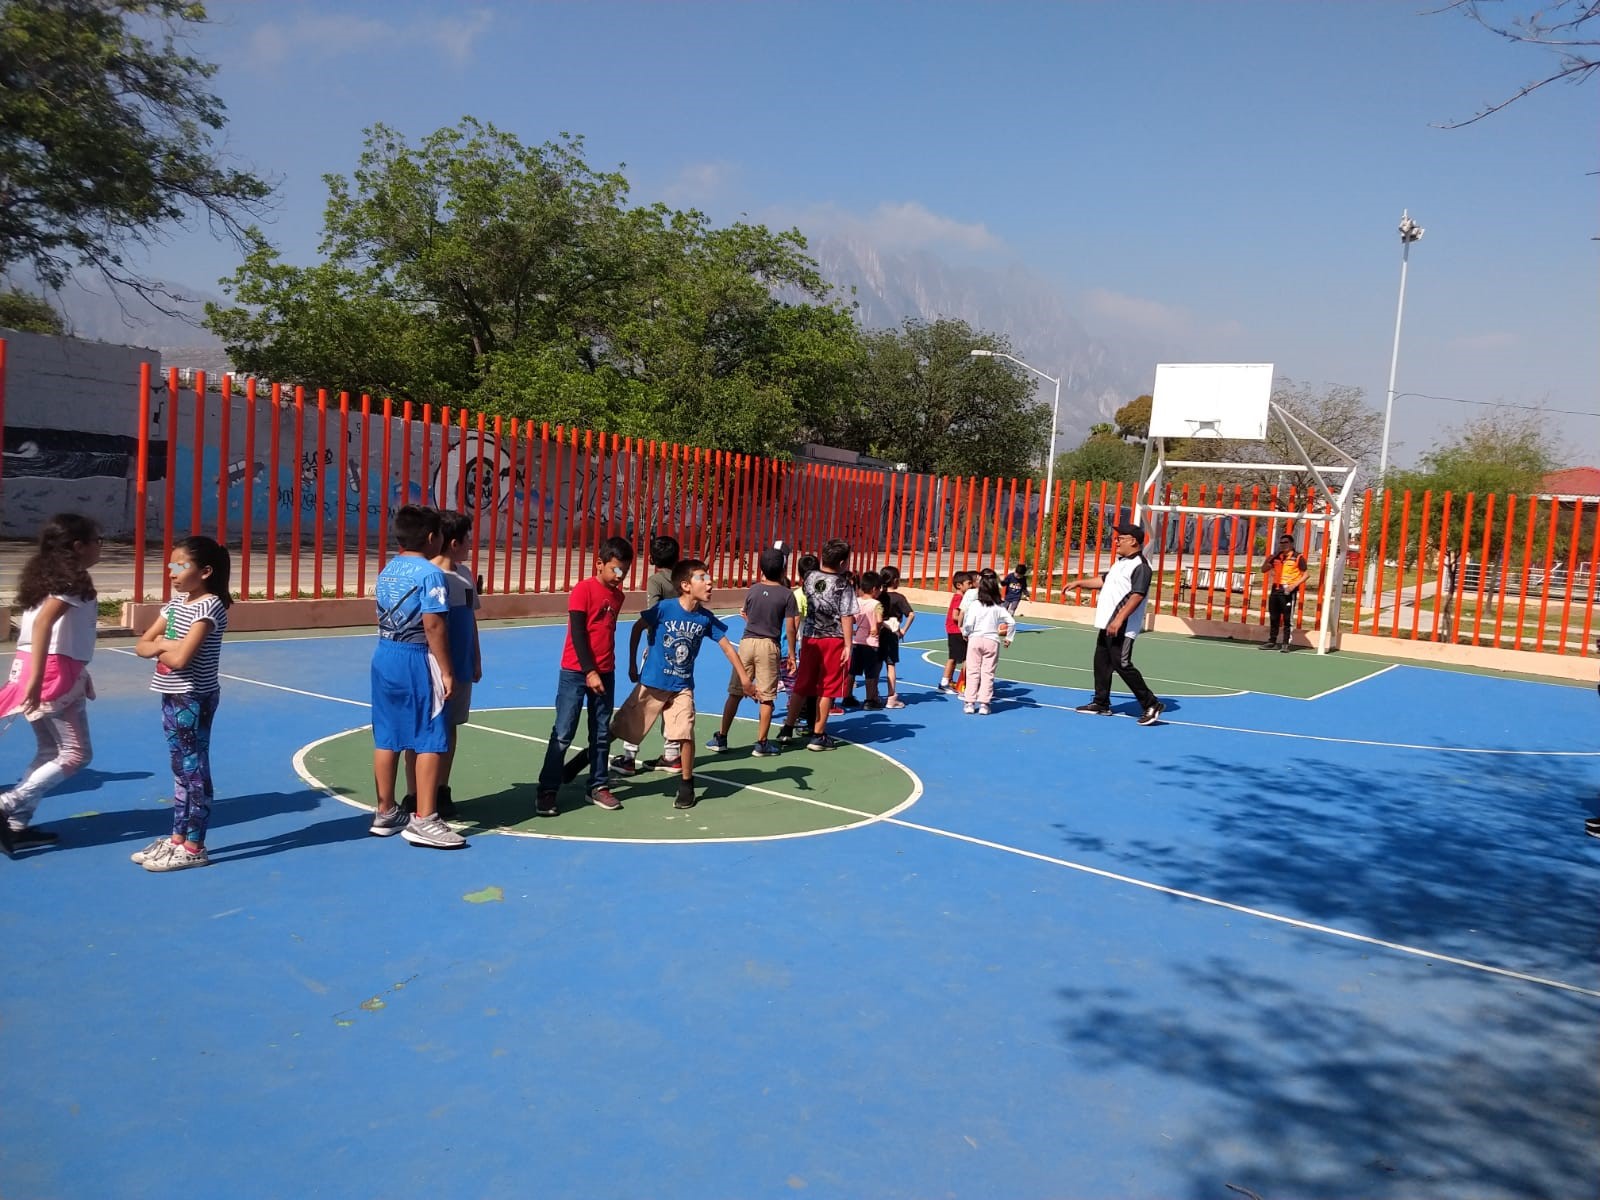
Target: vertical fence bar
(171,484)
(908,567)
(341,486)
(461,473)
(432,496)
(1572,568)
(1083,538)
(1361,554)
(961,514)
(510,499)
(527,504)
(1422,543)
(1461,574)
(1381,563)
(1506,551)
(247,500)
(362,493)
(141,472)
(1483,567)
(297,490)
(322,490)
(572,511)
(1250,543)
(545,506)
(224,429)
(477,497)
(274,439)
(1527,570)
(1551,521)
(405,454)
(1438,583)
(1589,590)
(492,482)
(197,492)
(1233,548)
(1227,582)
(386,486)
(1400,563)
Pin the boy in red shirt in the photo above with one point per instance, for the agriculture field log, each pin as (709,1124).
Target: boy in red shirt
(588,677)
(956,660)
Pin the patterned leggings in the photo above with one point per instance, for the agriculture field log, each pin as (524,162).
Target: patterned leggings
(186,720)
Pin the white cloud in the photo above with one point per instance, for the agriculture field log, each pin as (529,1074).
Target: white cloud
(325,35)
(907,225)
(1154,318)
(698,184)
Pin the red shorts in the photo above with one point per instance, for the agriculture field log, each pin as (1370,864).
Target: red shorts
(821,670)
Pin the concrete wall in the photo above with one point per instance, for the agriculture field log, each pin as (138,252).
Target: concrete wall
(71,415)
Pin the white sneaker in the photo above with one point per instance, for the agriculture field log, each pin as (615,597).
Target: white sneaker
(969,708)
(387,824)
(432,832)
(983,710)
(155,849)
(177,858)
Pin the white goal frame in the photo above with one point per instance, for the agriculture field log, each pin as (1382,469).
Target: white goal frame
(1335,503)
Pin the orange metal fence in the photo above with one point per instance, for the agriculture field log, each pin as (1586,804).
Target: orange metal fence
(302,485)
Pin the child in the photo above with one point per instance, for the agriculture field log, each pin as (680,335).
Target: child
(666,684)
(1016,587)
(864,651)
(186,642)
(588,679)
(49,682)
(664,552)
(897,617)
(769,610)
(956,654)
(806,564)
(412,679)
(825,648)
(981,623)
(466,658)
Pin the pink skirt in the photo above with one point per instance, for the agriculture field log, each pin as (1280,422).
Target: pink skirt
(62,677)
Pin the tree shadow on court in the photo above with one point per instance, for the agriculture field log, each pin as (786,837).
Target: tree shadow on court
(1292,1089)
(1481,858)
(138,825)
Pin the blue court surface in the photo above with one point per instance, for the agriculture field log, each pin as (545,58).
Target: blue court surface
(1330,947)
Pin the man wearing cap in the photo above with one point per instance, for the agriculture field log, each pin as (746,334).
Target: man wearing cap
(1118,618)
(1287,571)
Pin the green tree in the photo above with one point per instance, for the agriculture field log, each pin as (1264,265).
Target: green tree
(1102,456)
(106,136)
(923,400)
(1133,419)
(472,269)
(29,314)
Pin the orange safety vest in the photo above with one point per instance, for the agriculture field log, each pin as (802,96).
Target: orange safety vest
(1288,569)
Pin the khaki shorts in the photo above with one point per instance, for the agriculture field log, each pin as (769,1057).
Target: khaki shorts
(760,658)
(640,710)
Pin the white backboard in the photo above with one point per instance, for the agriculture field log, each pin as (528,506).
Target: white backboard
(1220,400)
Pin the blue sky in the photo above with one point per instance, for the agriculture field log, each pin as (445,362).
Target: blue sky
(1223,178)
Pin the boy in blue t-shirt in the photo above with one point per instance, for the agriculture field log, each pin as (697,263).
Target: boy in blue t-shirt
(412,680)
(666,683)
(461,622)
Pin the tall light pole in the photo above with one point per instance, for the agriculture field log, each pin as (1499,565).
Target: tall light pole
(1055,414)
(1410,232)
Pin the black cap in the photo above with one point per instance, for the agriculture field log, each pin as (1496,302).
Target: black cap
(1132,530)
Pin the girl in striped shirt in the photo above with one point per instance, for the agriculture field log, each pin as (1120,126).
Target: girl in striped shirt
(186,642)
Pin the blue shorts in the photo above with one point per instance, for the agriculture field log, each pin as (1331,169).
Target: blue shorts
(403,700)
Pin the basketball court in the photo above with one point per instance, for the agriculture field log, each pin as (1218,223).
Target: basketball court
(1328,930)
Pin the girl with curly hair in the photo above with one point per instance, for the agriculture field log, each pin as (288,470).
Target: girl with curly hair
(49,682)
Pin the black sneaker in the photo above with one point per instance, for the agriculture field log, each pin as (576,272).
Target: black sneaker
(1268,645)
(786,734)
(686,797)
(21,839)
(547,805)
(1285,648)
(1152,714)
(445,805)
(872,705)
(823,742)
(1592,827)
(1094,707)
(624,764)
(6,837)
(849,702)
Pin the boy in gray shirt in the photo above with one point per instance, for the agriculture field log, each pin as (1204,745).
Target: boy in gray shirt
(769,611)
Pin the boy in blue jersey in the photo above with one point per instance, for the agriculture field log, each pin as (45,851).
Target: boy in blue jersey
(666,683)
(461,623)
(412,680)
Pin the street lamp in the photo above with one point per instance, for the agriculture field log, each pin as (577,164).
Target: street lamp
(1410,232)
(1055,414)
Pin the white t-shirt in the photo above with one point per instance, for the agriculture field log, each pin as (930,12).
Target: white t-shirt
(73,633)
(1127,575)
(986,620)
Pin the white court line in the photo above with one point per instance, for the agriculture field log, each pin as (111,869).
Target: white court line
(1216,695)
(369,633)
(890,819)
(1033,662)
(1353,682)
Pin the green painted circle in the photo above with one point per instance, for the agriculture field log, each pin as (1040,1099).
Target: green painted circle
(499,754)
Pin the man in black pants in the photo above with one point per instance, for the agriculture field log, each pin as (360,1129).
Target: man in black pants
(1286,571)
(1118,618)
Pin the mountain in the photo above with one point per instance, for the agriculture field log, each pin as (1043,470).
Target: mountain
(99,313)
(1031,312)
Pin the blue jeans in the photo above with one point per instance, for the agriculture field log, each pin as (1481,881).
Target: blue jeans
(571,697)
